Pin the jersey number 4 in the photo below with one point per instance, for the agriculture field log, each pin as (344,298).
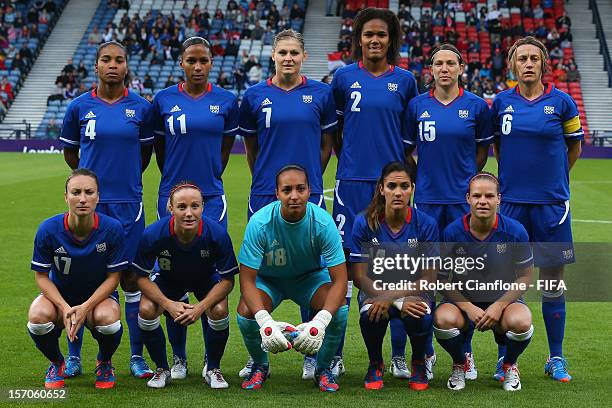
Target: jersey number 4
(90,129)
(182,123)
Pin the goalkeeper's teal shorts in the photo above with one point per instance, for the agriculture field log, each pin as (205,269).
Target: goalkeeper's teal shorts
(300,289)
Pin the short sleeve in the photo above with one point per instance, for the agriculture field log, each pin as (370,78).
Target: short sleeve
(156,122)
(360,234)
(331,244)
(232,120)
(495,128)
(225,259)
(42,258)
(70,135)
(484,125)
(413,90)
(410,124)
(117,258)
(329,118)
(144,261)
(338,94)
(572,128)
(252,249)
(247,121)
(146,135)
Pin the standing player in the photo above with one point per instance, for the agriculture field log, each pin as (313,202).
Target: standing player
(195,123)
(503,244)
(77,257)
(287,119)
(538,136)
(292,250)
(371,97)
(451,129)
(105,130)
(193,254)
(392,225)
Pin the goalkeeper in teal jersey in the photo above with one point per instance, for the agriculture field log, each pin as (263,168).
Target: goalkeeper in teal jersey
(292,250)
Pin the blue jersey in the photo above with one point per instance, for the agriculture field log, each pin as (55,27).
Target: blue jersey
(503,252)
(446,137)
(374,109)
(76,267)
(281,249)
(288,127)
(110,137)
(189,266)
(533,165)
(193,131)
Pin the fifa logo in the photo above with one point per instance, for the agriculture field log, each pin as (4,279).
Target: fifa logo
(214,108)
(392,87)
(501,248)
(549,110)
(130,113)
(463,113)
(101,247)
(307,98)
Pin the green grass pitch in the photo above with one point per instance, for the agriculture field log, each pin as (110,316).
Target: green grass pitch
(31,188)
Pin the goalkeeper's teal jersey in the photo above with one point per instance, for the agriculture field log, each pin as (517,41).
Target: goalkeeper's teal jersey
(280,249)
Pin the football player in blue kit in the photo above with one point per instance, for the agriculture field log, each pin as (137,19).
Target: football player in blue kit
(292,250)
(451,130)
(194,254)
(77,259)
(372,98)
(389,224)
(538,141)
(106,131)
(195,124)
(502,245)
(287,119)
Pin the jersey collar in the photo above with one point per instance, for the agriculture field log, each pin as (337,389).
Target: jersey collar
(181,89)
(173,233)
(271,84)
(548,87)
(96,225)
(466,226)
(94,94)
(395,234)
(431,95)
(362,67)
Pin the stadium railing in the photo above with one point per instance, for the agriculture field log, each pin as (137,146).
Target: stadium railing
(16,130)
(601,36)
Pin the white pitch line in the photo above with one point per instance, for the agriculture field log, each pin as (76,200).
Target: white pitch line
(594,221)
(592,182)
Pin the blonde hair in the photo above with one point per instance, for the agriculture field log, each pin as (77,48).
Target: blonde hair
(289,34)
(527,41)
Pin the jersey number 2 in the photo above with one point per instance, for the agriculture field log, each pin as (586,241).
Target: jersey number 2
(356,97)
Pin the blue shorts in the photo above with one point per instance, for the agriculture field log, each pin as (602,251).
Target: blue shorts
(350,198)
(132,218)
(215,207)
(176,291)
(444,214)
(257,202)
(300,290)
(74,300)
(550,230)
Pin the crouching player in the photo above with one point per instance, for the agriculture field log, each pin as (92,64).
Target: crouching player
(292,250)
(194,254)
(389,224)
(77,257)
(503,244)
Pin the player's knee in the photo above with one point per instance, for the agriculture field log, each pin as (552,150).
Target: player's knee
(243,310)
(218,311)
(107,312)
(446,319)
(147,309)
(41,313)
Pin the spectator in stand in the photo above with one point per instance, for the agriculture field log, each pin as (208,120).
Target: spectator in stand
(82,71)
(257,31)
(438,20)
(82,89)
(297,14)
(285,12)
(7,88)
(553,38)
(344,44)
(232,48)
(136,84)
(170,81)
(572,73)
(538,12)
(268,35)
(498,62)
(224,81)
(425,21)
(32,16)
(69,67)
(53,129)
(69,92)
(559,73)
(564,22)
(217,49)
(556,53)
(252,61)
(239,78)
(26,54)
(148,83)
(255,74)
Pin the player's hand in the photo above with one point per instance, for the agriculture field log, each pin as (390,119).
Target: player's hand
(312,333)
(379,308)
(76,315)
(272,338)
(189,315)
(491,317)
(176,309)
(474,313)
(415,307)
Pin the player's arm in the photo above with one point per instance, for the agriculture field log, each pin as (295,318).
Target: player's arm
(574,149)
(327,142)
(336,296)
(71,157)
(146,151)
(252,149)
(337,136)
(409,157)
(50,291)
(496,146)
(482,154)
(249,290)
(160,152)
(226,149)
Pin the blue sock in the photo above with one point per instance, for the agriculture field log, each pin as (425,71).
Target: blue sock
(132,305)
(516,344)
(252,339)
(398,337)
(452,341)
(333,336)
(418,330)
(74,347)
(154,339)
(216,339)
(340,350)
(501,350)
(467,347)
(373,335)
(108,338)
(553,311)
(46,338)
(177,335)
(204,322)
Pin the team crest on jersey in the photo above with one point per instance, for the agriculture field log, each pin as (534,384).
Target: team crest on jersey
(501,248)
(568,254)
(61,250)
(463,113)
(549,110)
(307,98)
(413,242)
(204,253)
(130,113)
(392,87)
(214,108)
(101,247)
(90,115)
